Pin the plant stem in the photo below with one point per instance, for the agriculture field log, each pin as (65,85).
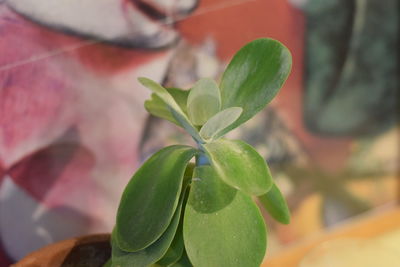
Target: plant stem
(201,159)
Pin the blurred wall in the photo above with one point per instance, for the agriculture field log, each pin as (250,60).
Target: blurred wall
(73,128)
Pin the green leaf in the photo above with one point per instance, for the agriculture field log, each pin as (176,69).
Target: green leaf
(175,251)
(157,107)
(254,76)
(274,202)
(150,254)
(190,129)
(209,186)
(151,197)
(203,101)
(239,165)
(233,236)
(161,92)
(108,263)
(216,124)
(175,109)
(183,261)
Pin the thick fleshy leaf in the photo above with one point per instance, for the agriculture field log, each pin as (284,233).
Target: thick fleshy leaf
(210,186)
(152,253)
(157,107)
(254,76)
(239,165)
(203,101)
(151,197)
(175,109)
(274,202)
(216,124)
(183,262)
(175,251)
(233,236)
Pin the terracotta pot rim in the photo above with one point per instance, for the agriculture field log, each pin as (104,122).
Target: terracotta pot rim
(57,253)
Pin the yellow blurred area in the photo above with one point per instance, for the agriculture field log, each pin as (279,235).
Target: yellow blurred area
(367,241)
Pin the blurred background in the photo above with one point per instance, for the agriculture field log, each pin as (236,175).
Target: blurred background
(73,128)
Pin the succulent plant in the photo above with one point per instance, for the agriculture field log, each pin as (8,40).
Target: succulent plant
(175,212)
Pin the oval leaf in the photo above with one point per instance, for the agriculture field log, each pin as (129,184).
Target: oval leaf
(216,124)
(233,236)
(239,165)
(203,101)
(152,253)
(150,198)
(274,202)
(175,109)
(254,76)
(157,107)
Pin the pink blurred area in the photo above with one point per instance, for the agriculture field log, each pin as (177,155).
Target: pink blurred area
(73,127)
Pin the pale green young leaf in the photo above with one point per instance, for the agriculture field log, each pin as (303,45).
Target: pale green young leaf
(175,109)
(203,101)
(231,235)
(151,197)
(161,92)
(157,107)
(239,165)
(274,202)
(254,76)
(216,124)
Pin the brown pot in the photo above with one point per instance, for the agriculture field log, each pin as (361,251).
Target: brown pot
(88,251)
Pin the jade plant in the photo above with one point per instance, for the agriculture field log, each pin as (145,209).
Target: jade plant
(195,206)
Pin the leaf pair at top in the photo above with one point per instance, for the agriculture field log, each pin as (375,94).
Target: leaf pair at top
(251,80)
(197,107)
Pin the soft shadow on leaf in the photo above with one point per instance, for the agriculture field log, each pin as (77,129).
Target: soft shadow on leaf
(183,261)
(207,185)
(175,251)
